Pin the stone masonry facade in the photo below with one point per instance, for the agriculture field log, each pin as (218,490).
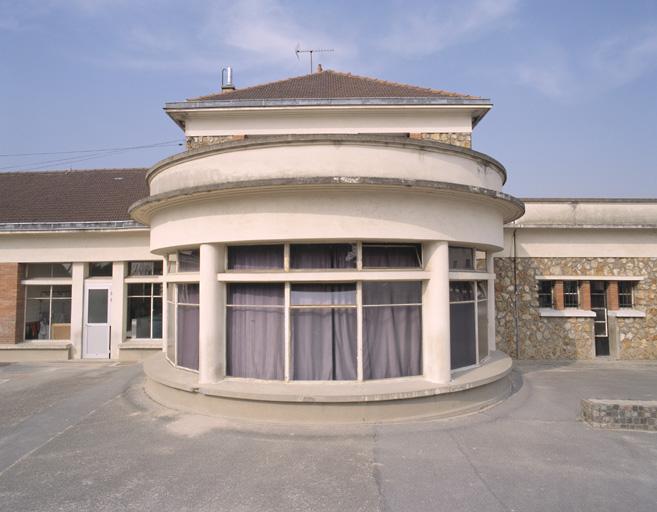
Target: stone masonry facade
(463,140)
(572,337)
(12,303)
(620,414)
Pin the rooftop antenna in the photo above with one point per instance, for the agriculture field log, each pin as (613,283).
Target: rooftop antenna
(298,50)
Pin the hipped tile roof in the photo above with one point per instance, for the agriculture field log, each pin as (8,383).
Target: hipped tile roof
(329,84)
(97,195)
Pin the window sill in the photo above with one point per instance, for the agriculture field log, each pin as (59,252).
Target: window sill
(627,313)
(565,313)
(141,343)
(37,345)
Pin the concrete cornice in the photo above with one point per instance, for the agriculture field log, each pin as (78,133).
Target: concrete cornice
(141,211)
(361,139)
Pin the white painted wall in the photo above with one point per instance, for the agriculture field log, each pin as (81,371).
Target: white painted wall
(325,159)
(75,246)
(314,214)
(304,120)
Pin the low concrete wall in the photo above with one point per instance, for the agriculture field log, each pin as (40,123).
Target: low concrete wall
(621,414)
(131,351)
(37,351)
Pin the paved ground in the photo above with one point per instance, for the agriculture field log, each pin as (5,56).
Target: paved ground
(83,436)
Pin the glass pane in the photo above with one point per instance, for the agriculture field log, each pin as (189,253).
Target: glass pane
(460,291)
(254,338)
(60,291)
(323,294)
(157,289)
(480,261)
(463,350)
(145,268)
(97,306)
(323,344)
(461,258)
(255,257)
(600,328)
(482,328)
(397,292)
(187,327)
(137,289)
(482,291)
(139,317)
(60,328)
(100,269)
(62,269)
(36,270)
(157,317)
(322,256)
(37,319)
(189,260)
(188,293)
(40,292)
(392,256)
(256,294)
(392,342)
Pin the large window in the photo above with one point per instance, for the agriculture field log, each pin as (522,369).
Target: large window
(392,329)
(255,331)
(183,324)
(468,322)
(48,312)
(323,331)
(144,319)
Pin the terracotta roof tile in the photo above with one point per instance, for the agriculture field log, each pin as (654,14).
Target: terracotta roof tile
(95,195)
(329,84)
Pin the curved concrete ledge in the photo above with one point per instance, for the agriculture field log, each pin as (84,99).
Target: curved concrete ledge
(344,402)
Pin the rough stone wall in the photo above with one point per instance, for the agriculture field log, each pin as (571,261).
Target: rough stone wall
(11,303)
(195,142)
(622,414)
(463,140)
(572,338)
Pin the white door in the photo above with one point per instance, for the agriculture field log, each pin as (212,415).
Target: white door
(96,339)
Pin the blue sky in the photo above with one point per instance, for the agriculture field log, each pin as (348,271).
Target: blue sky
(574,83)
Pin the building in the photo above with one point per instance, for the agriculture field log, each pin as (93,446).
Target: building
(326,238)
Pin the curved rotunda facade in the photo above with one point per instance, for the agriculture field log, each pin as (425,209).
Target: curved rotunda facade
(329,240)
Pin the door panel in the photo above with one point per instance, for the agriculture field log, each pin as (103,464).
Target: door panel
(96,340)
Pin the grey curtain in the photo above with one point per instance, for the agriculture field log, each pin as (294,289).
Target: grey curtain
(187,324)
(392,341)
(255,333)
(324,344)
(392,256)
(321,256)
(252,257)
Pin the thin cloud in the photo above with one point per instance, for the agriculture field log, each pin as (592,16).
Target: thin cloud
(419,34)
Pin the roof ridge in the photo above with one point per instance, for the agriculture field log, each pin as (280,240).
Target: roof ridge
(442,92)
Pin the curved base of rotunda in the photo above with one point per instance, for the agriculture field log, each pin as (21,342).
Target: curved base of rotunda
(389,400)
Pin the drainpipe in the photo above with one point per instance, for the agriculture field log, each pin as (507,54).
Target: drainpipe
(515,294)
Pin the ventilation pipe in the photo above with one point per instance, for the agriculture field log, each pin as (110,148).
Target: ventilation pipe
(227,79)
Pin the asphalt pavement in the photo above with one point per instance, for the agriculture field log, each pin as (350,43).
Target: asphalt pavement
(83,436)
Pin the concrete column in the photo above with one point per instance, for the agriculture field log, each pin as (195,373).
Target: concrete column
(78,274)
(435,314)
(212,313)
(490,268)
(118,308)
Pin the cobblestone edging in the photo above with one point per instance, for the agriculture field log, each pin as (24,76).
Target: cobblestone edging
(620,414)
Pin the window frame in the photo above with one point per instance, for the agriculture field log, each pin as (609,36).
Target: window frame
(576,293)
(631,285)
(476,301)
(152,298)
(50,297)
(542,293)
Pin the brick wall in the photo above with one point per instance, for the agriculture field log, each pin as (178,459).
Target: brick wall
(12,302)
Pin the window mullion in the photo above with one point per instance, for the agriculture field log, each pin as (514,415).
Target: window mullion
(287,331)
(359,330)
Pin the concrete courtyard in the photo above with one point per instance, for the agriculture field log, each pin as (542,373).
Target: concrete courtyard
(84,436)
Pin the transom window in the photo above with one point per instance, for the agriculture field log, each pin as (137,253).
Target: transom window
(145,268)
(461,258)
(47,270)
(100,269)
(185,260)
